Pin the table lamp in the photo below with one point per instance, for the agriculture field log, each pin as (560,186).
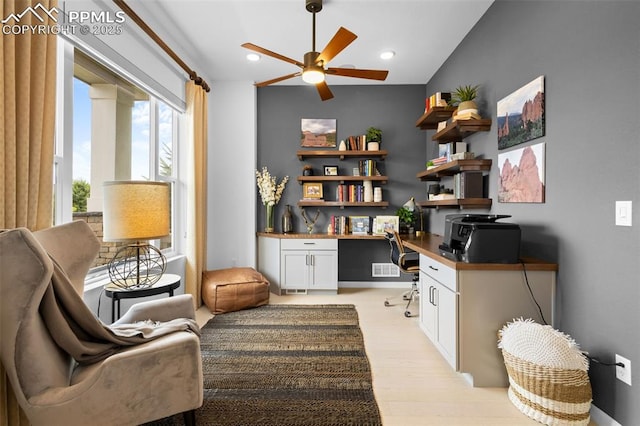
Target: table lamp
(136,212)
(412,207)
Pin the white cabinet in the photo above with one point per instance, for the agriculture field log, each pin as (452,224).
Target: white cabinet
(299,265)
(463,308)
(438,311)
(308,264)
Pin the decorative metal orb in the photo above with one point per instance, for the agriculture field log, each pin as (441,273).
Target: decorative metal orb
(137,266)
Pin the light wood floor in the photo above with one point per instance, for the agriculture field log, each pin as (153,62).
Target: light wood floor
(413,384)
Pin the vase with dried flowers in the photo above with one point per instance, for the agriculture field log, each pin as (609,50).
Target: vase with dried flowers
(270,193)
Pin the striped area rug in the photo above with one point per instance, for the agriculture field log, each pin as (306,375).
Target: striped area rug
(286,365)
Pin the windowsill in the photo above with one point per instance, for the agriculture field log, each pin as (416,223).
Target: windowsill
(100,279)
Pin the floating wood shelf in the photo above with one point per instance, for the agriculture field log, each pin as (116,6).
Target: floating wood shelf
(461,203)
(453,167)
(341,204)
(342,179)
(460,129)
(431,118)
(302,154)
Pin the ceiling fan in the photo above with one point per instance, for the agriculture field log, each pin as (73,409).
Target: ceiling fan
(313,67)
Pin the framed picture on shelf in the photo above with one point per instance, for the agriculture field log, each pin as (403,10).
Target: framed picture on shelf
(331,170)
(383,223)
(318,132)
(360,224)
(312,191)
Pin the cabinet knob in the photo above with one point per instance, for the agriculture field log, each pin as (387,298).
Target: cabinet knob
(431,267)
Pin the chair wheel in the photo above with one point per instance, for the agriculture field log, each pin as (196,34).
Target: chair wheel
(386,303)
(407,314)
(405,297)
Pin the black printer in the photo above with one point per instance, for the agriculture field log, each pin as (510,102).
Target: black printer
(479,238)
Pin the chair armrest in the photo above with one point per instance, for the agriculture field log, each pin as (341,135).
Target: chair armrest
(145,382)
(167,309)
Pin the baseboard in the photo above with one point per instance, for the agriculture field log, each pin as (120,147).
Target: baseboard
(601,418)
(375,284)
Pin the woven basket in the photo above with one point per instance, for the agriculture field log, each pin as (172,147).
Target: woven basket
(548,378)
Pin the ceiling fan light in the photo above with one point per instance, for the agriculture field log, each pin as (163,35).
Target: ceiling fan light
(313,76)
(253,57)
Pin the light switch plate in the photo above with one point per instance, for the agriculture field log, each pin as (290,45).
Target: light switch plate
(623,213)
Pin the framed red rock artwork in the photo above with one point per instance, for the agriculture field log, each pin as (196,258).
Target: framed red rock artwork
(522,175)
(318,132)
(520,115)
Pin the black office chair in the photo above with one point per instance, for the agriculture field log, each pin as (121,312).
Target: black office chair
(409,263)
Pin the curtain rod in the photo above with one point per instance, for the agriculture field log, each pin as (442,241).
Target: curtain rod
(192,74)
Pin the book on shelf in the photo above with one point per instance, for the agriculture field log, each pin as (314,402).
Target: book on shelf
(383,223)
(352,193)
(368,168)
(470,115)
(439,161)
(339,225)
(468,184)
(438,99)
(356,143)
(360,225)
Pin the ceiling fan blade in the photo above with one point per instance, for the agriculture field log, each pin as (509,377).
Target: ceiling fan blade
(277,79)
(337,44)
(351,72)
(324,91)
(264,51)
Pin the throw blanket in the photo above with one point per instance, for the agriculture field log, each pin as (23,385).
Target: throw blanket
(83,336)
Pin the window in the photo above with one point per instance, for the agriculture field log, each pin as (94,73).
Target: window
(117,131)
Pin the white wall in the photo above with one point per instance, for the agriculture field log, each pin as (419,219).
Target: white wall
(231,222)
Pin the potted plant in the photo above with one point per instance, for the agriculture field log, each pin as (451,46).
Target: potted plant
(374,137)
(463,97)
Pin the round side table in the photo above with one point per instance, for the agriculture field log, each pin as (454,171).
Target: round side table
(166,284)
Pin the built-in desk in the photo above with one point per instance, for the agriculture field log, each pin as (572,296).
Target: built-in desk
(302,263)
(464,305)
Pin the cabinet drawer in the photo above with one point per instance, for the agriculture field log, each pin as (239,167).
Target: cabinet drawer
(441,273)
(309,244)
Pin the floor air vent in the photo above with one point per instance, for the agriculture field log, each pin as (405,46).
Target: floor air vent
(384,270)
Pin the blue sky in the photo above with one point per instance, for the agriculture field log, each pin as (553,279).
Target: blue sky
(82,135)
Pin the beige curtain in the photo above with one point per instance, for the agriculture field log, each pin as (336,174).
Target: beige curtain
(27,114)
(196,190)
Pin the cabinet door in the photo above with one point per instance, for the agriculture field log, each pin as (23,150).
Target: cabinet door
(294,273)
(428,308)
(323,269)
(447,305)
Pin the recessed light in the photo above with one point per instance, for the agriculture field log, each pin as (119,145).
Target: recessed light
(387,54)
(253,57)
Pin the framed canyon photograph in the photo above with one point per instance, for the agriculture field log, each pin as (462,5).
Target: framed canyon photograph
(522,175)
(520,116)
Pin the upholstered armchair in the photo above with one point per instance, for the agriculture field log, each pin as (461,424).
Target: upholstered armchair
(131,385)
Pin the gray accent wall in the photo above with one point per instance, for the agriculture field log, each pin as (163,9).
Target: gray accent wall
(589,55)
(393,109)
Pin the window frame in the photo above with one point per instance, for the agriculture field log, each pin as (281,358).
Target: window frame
(63,155)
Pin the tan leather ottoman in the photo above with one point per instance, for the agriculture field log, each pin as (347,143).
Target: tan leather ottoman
(233,289)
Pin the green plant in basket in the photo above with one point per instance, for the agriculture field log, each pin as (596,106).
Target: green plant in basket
(464,94)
